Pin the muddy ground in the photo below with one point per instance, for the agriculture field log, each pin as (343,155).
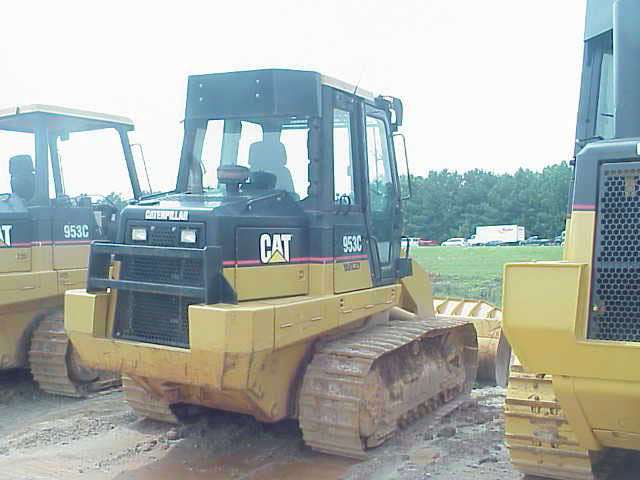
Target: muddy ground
(44,437)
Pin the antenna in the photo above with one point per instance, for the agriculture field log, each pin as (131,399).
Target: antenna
(362,71)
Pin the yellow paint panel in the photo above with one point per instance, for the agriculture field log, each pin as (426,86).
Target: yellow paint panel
(254,283)
(72,279)
(233,328)
(302,320)
(24,287)
(67,257)
(610,405)
(15,260)
(355,306)
(89,312)
(545,304)
(350,276)
(417,294)
(321,279)
(580,237)
(42,258)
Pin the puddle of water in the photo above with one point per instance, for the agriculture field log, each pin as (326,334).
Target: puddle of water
(249,464)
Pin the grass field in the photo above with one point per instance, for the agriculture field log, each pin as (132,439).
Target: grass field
(475,272)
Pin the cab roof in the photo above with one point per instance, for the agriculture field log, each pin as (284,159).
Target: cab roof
(27,118)
(599,18)
(262,93)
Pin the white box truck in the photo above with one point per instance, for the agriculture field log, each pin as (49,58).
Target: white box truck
(497,235)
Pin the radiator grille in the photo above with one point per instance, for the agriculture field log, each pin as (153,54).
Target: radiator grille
(152,317)
(615,312)
(176,271)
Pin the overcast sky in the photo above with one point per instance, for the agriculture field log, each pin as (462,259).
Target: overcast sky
(489,84)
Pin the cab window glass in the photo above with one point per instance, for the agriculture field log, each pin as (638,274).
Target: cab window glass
(92,163)
(342,157)
(13,144)
(276,146)
(605,122)
(381,188)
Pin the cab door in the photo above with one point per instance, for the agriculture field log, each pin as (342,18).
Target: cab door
(383,198)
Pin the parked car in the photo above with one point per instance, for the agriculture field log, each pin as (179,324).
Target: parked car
(494,243)
(455,242)
(559,240)
(536,240)
(428,243)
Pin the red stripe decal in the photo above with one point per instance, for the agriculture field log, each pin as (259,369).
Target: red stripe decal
(72,242)
(240,263)
(46,243)
(584,206)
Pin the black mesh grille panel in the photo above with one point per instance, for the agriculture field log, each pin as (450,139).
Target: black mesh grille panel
(176,271)
(153,318)
(615,309)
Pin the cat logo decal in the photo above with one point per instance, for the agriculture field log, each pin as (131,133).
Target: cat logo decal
(5,235)
(275,247)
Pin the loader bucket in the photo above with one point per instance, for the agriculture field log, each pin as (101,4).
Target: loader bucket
(494,349)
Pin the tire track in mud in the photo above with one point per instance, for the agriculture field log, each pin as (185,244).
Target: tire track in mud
(44,437)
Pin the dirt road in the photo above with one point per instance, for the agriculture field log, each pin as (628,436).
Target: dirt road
(43,437)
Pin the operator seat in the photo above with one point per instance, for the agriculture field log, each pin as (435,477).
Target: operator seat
(23,177)
(270,156)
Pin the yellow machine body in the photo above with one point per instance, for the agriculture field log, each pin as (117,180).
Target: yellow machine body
(253,297)
(597,382)
(581,395)
(245,357)
(44,242)
(30,287)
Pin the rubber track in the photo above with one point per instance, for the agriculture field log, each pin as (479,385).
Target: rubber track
(538,436)
(145,404)
(48,361)
(332,389)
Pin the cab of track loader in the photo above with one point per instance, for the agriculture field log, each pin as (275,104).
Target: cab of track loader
(51,185)
(57,168)
(287,185)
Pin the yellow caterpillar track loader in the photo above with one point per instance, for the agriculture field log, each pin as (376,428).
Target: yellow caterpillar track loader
(46,229)
(271,281)
(573,399)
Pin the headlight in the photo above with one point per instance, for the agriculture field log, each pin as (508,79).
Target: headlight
(139,234)
(188,236)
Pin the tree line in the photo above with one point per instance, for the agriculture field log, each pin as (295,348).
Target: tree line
(447,204)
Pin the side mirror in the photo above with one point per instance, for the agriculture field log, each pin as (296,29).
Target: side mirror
(396,106)
(404,174)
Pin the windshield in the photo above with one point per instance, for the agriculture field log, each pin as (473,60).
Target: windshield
(275,145)
(92,163)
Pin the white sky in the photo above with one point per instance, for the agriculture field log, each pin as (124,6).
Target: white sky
(491,84)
